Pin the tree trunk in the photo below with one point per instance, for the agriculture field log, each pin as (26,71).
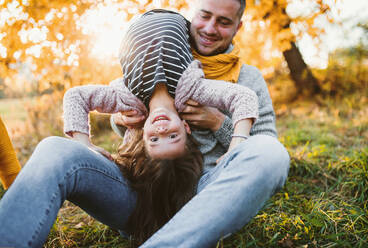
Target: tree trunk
(302,76)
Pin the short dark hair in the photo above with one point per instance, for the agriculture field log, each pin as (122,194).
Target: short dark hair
(242,8)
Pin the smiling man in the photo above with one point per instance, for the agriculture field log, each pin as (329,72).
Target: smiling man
(215,25)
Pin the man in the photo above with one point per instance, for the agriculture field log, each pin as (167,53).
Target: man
(232,191)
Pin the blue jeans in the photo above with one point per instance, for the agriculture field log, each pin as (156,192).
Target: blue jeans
(229,195)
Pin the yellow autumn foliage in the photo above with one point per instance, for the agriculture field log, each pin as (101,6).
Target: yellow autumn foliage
(266,34)
(59,57)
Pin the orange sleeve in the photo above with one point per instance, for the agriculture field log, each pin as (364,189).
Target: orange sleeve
(9,164)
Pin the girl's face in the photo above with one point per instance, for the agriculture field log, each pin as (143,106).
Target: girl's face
(165,134)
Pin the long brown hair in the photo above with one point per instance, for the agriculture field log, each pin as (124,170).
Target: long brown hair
(162,186)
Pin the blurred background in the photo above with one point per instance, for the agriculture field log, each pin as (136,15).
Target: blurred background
(312,53)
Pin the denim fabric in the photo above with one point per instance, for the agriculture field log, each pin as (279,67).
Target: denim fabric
(229,195)
(59,170)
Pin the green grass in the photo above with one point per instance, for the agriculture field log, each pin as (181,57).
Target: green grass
(323,204)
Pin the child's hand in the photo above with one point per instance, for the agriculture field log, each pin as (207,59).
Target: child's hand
(241,133)
(130,119)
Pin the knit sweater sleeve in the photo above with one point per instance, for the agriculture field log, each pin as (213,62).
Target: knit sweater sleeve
(9,165)
(251,77)
(223,134)
(241,101)
(80,100)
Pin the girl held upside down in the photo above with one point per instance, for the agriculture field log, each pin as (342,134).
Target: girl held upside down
(161,160)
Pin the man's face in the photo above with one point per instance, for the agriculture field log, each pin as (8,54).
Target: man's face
(214,25)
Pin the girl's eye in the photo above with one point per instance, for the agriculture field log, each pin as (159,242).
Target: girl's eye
(153,139)
(173,136)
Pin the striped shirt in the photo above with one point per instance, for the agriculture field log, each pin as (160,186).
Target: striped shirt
(155,50)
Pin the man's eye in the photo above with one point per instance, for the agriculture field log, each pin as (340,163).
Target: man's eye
(153,139)
(173,136)
(205,16)
(225,23)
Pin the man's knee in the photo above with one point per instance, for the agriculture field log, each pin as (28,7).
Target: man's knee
(276,159)
(272,150)
(266,148)
(268,157)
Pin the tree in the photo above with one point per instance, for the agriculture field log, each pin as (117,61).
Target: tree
(278,21)
(47,36)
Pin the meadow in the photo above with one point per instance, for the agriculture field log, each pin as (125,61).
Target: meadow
(324,201)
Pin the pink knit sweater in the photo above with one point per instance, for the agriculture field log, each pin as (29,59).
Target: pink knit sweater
(79,101)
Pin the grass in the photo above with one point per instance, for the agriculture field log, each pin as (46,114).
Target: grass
(323,204)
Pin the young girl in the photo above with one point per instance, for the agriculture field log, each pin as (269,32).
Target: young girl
(160,76)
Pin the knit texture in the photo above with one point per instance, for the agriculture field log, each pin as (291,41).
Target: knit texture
(236,99)
(113,98)
(9,165)
(225,66)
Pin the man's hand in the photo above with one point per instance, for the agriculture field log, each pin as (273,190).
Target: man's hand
(202,117)
(130,119)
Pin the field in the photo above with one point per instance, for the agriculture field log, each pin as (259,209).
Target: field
(13,112)
(323,204)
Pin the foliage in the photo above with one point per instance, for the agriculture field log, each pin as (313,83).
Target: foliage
(47,51)
(346,74)
(47,37)
(272,25)
(347,71)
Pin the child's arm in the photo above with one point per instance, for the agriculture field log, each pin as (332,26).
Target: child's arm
(79,101)
(239,100)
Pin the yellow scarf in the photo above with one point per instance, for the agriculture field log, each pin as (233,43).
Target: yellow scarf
(9,165)
(222,66)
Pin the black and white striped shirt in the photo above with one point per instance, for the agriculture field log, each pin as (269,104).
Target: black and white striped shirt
(155,50)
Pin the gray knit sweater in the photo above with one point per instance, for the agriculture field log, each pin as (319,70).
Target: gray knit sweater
(213,145)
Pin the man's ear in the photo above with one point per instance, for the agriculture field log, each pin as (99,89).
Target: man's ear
(187,127)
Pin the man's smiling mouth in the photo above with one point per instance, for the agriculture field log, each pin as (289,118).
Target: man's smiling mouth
(205,40)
